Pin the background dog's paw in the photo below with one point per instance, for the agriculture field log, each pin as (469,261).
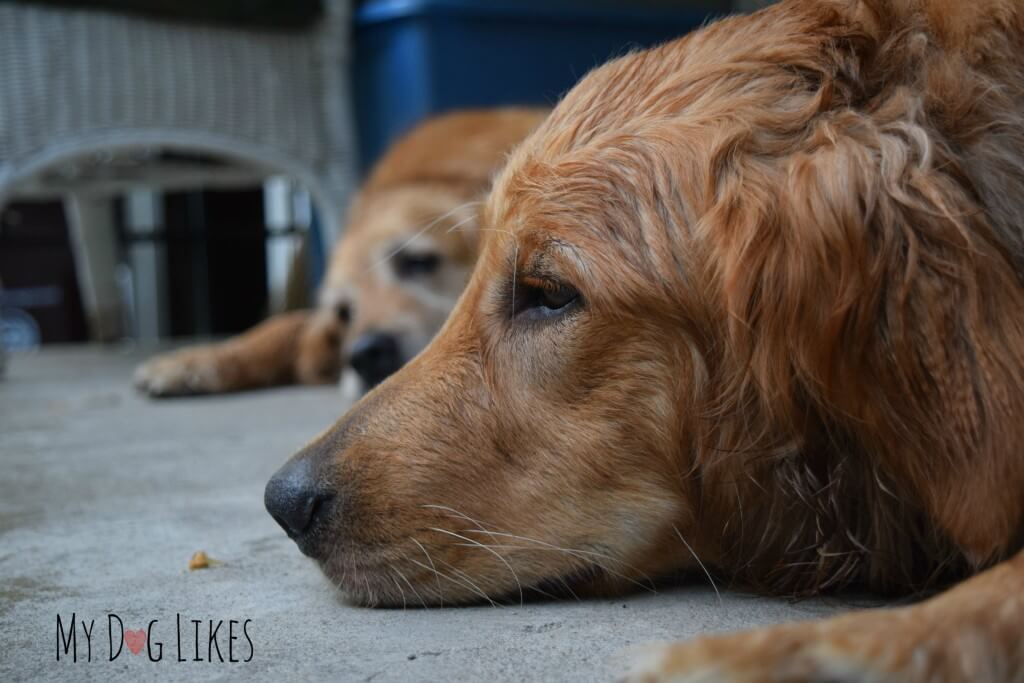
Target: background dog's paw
(788,654)
(182,373)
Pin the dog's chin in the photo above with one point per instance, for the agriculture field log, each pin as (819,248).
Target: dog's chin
(388,584)
(369,588)
(382,587)
(366,583)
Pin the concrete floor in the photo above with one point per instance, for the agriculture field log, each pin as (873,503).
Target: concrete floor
(105,495)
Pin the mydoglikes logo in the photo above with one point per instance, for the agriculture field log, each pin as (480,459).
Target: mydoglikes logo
(217,641)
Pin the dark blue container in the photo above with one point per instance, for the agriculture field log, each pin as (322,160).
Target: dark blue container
(414,58)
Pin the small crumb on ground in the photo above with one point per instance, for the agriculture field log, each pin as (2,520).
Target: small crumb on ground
(200,560)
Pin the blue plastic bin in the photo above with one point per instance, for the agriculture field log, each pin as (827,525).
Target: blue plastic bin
(414,58)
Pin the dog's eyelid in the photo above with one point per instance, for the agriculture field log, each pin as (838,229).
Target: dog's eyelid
(541,295)
(551,267)
(542,280)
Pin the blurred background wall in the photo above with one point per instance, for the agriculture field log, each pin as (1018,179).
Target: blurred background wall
(751,5)
(174,168)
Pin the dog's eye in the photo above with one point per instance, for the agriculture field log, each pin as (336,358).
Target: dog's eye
(344,313)
(411,265)
(547,300)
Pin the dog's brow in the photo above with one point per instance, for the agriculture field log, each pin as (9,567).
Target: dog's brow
(552,251)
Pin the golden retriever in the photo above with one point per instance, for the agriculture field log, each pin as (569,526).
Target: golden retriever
(751,299)
(394,276)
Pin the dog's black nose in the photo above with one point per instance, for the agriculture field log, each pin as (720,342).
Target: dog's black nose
(374,356)
(293,497)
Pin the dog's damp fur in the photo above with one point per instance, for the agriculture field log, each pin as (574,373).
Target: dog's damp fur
(797,347)
(792,350)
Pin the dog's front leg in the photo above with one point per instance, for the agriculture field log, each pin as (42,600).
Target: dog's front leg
(303,347)
(973,633)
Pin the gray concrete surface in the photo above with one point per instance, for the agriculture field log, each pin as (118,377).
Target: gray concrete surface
(105,495)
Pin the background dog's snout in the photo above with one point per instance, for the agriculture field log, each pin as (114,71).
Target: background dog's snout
(294,498)
(374,356)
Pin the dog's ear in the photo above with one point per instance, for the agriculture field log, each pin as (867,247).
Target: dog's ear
(809,260)
(862,289)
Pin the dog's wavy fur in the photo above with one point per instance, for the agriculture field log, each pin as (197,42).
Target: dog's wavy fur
(423,195)
(798,347)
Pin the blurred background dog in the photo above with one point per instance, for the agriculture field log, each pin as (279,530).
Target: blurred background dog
(393,278)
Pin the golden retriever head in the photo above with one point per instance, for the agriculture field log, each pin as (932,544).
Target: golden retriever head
(412,239)
(714,299)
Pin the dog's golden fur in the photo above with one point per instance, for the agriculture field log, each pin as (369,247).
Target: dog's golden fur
(422,195)
(797,350)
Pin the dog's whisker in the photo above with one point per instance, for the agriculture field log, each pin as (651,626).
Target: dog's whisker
(705,569)
(490,550)
(465,582)
(390,255)
(440,592)
(445,508)
(439,575)
(582,555)
(401,591)
(465,577)
(515,258)
(574,554)
(568,588)
(371,600)
(543,592)
(461,223)
(649,586)
(411,587)
(588,555)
